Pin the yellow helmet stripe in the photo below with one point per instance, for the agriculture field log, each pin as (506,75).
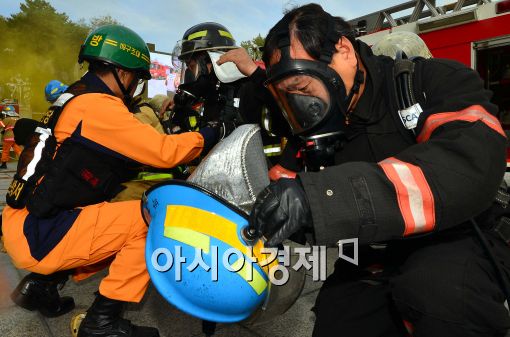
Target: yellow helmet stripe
(146,58)
(206,223)
(212,225)
(111,42)
(225,34)
(192,121)
(155,176)
(196,35)
(202,241)
(254,279)
(189,237)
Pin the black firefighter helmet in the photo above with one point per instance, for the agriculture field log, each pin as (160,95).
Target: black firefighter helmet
(206,36)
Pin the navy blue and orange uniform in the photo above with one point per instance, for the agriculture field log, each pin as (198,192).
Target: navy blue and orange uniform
(83,238)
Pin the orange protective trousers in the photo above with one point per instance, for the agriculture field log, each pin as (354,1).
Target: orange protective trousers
(106,232)
(6,148)
(103,233)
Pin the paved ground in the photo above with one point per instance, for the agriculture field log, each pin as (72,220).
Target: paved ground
(153,311)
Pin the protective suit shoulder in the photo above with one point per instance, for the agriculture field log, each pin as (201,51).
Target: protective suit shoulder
(148,116)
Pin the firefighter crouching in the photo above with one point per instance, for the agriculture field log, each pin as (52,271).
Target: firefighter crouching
(146,113)
(411,179)
(58,216)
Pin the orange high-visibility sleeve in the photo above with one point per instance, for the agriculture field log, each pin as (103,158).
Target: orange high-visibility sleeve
(106,121)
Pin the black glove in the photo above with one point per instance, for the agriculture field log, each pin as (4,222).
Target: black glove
(224,128)
(228,127)
(281,211)
(213,132)
(211,135)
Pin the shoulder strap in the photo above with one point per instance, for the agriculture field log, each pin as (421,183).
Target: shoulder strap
(230,98)
(409,109)
(50,119)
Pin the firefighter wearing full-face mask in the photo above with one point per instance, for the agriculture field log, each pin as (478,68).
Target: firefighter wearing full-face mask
(408,178)
(217,92)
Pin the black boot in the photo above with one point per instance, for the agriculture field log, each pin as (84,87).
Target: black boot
(40,292)
(3,166)
(103,320)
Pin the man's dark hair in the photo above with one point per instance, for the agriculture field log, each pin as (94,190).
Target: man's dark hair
(99,68)
(310,25)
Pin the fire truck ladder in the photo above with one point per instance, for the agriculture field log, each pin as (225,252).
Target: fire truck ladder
(422,9)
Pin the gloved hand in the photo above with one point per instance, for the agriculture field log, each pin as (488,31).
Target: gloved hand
(227,128)
(215,131)
(280,211)
(211,135)
(224,128)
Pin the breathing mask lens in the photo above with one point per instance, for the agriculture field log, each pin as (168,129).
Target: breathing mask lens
(194,67)
(187,76)
(304,100)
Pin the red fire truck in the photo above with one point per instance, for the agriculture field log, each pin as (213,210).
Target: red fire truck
(158,70)
(474,32)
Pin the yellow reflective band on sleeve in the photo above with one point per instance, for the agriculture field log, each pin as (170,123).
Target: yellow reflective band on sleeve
(272,150)
(256,281)
(192,121)
(189,237)
(154,176)
(201,33)
(225,34)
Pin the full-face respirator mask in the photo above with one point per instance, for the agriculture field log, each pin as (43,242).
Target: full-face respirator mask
(312,97)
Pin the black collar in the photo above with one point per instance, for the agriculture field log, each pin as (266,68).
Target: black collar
(95,84)
(365,110)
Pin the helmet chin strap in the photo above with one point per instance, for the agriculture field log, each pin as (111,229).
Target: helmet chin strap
(126,92)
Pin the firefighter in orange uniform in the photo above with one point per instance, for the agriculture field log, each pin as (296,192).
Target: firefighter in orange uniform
(66,222)
(9,118)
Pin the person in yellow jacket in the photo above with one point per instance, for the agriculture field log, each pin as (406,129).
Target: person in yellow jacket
(66,222)
(9,118)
